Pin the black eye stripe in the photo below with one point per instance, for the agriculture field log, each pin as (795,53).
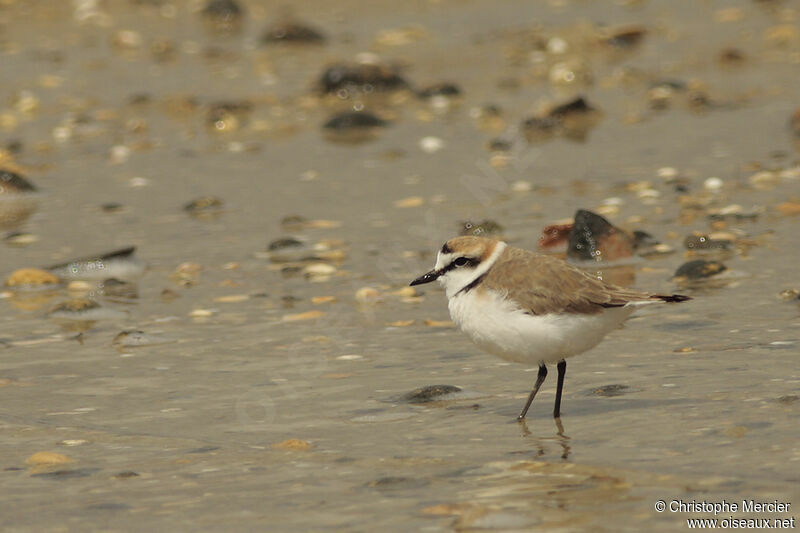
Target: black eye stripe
(459,262)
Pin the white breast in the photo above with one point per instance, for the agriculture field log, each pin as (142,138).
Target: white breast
(496,325)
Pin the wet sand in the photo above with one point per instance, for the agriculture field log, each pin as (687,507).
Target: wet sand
(274,408)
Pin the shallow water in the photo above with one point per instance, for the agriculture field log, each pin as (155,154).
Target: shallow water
(710,411)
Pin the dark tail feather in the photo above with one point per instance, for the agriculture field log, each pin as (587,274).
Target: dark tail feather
(672,298)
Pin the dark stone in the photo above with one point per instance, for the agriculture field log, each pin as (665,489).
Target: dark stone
(430,393)
(699,269)
(127,474)
(354,120)
(609,391)
(391,483)
(440,89)
(111,207)
(627,38)
(500,145)
(672,84)
(204,449)
(292,33)
(284,242)
(573,120)
(363,78)
(202,204)
(578,105)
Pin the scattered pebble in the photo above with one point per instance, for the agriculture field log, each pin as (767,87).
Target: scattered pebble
(308,315)
(368,295)
(735,212)
(350,80)
(405,292)
(138,182)
(127,474)
(713,183)
(610,391)
(319,271)
(354,120)
(439,323)
(299,223)
(232,298)
(72,442)
(572,120)
(186,274)
(699,269)
(448,90)
(40,459)
(431,393)
(625,38)
(31,278)
(431,145)
(18,238)
(522,186)
(204,205)
(202,313)
(296,445)
(397,483)
(318,300)
(350,357)
(411,201)
(789,294)
(79,286)
(284,242)
(292,33)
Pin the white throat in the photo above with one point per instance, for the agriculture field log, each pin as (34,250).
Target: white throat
(455,280)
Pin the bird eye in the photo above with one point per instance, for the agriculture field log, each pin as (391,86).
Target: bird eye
(461,261)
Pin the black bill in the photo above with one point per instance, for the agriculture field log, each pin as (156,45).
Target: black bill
(426,278)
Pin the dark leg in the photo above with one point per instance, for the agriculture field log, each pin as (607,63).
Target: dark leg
(562,370)
(539,381)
